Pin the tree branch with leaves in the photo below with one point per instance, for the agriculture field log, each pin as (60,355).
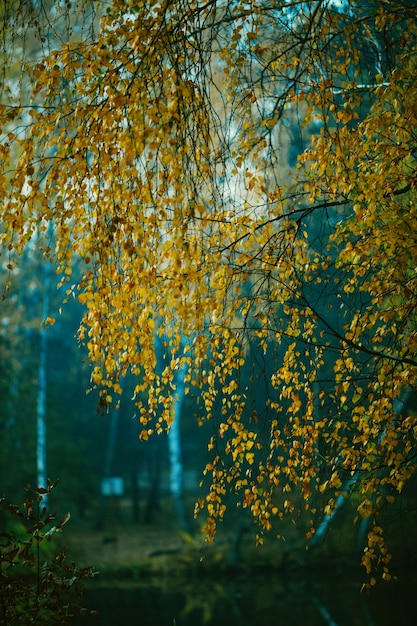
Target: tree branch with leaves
(160,146)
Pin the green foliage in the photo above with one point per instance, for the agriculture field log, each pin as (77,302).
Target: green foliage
(34,590)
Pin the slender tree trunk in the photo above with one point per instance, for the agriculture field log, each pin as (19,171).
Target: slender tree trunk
(111,443)
(108,466)
(341,499)
(152,469)
(176,475)
(42,384)
(135,486)
(175,454)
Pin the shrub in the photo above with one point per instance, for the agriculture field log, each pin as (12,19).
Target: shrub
(36,584)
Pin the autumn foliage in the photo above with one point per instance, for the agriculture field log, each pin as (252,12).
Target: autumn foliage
(159,141)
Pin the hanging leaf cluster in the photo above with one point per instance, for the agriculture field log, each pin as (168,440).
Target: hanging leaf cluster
(160,144)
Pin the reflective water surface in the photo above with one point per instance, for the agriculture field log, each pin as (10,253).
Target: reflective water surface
(316,600)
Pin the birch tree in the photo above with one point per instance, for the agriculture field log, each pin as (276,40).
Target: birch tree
(158,145)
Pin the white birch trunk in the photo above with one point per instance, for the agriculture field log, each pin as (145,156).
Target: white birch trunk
(176,468)
(42,385)
(176,478)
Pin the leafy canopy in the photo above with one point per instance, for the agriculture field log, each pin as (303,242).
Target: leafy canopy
(238,178)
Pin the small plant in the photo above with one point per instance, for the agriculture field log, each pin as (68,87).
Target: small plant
(36,586)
